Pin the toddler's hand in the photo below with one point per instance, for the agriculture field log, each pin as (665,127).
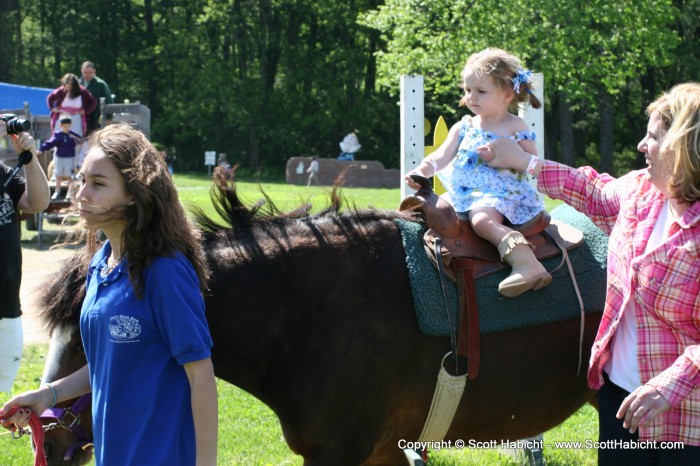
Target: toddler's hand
(409,181)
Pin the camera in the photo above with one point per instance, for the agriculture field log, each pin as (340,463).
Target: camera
(15,125)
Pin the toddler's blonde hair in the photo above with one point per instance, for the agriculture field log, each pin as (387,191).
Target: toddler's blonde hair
(503,67)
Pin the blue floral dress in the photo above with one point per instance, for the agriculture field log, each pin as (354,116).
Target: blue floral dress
(471,183)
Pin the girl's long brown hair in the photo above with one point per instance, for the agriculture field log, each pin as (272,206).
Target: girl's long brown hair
(156,223)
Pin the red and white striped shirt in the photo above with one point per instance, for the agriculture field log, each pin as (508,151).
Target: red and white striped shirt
(664,283)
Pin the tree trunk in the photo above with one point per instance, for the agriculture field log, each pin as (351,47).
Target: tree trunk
(648,83)
(253,145)
(566,129)
(606,133)
(551,129)
(9,18)
(151,77)
(6,43)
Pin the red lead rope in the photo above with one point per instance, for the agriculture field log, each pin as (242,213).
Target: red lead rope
(37,435)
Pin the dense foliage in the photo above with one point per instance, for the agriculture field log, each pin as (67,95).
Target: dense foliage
(264,80)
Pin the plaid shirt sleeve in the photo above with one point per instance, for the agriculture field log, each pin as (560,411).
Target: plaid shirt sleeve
(678,381)
(597,195)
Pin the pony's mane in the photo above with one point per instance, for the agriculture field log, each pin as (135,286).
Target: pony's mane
(239,217)
(61,295)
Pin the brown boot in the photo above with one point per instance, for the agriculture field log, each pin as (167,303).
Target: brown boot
(528,273)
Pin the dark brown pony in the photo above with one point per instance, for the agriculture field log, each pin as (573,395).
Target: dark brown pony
(313,315)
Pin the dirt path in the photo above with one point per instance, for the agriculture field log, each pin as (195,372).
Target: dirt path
(37,266)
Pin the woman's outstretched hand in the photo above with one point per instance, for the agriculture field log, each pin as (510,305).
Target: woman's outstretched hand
(504,153)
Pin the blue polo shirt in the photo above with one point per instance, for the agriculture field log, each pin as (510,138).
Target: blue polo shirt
(142,411)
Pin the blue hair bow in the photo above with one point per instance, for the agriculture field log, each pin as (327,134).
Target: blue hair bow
(521,77)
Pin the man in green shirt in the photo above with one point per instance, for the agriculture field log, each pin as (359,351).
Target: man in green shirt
(98,88)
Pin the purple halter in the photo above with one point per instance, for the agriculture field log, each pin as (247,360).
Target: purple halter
(69,419)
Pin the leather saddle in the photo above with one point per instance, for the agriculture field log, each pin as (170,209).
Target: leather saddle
(464,257)
(459,240)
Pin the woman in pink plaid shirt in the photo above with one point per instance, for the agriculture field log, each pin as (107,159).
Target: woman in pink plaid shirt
(646,356)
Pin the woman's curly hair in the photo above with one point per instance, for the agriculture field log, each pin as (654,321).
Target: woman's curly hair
(156,222)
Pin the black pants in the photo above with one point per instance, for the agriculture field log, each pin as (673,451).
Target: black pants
(610,398)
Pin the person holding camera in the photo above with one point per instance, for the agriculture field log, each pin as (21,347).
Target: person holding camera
(29,194)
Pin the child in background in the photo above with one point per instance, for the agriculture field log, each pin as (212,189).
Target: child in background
(65,141)
(494,84)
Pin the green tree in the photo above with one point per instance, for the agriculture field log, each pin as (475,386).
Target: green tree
(264,80)
(589,52)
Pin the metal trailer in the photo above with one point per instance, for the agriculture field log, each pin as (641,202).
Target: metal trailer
(135,114)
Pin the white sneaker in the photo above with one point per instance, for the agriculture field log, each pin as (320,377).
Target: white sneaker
(56,195)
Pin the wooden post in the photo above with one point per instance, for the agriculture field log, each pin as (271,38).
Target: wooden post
(412,132)
(535,116)
(535,119)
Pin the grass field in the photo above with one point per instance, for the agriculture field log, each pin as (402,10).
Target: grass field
(249,433)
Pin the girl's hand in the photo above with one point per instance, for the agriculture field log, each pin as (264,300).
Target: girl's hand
(641,407)
(55,110)
(18,420)
(35,400)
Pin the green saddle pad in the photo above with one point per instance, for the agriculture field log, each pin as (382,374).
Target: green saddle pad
(556,302)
